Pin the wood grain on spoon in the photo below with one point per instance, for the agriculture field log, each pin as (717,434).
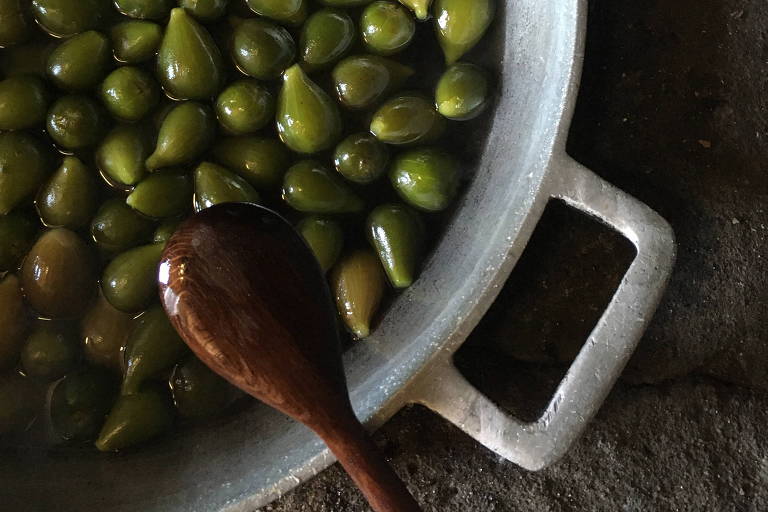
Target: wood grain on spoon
(248,297)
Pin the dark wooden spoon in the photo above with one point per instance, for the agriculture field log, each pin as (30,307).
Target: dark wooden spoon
(248,297)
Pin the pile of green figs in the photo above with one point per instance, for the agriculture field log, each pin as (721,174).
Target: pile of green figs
(119,118)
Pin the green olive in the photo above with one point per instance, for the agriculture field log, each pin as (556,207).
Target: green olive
(152,347)
(17,234)
(135,419)
(205,10)
(262,49)
(261,161)
(344,3)
(24,164)
(291,12)
(185,133)
(198,392)
(310,187)
(80,62)
(23,102)
(407,119)
(324,237)
(426,178)
(57,274)
(419,7)
(362,80)
(145,9)
(117,227)
(50,351)
(129,93)
(69,197)
(129,282)
(387,27)
(397,234)
(162,194)
(308,120)
(215,184)
(104,332)
(14,28)
(135,41)
(19,402)
(460,24)
(75,122)
(121,155)
(462,91)
(64,18)
(361,158)
(357,284)
(165,230)
(13,322)
(30,58)
(244,107)
(325,37)
(189,64)
(80,403)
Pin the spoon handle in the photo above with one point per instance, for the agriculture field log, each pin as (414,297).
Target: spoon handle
(364,463)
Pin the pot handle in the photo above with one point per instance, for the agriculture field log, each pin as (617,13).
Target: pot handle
(601,359)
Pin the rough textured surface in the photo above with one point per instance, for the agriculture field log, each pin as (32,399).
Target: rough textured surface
(673,110)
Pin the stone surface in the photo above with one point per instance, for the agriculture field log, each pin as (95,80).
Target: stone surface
(674,110)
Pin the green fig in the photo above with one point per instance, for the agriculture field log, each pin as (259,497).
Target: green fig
(397,234)
(129,93)
(24,164)
(144,9)
(308,120)
(361,158)
(185,133)
(189,64)
(162,194)
(14,27)
(104,332)
(80,62)
(198,392)
(129,282)
(58,274)
(214,184)
(426,178)
(460,24)
(205,10)
(152,347)
(69,197)
(261,161)
(117,227)
(13,322)
(324,237)
(23,102)
(362,81)
(325,37)
(419,7)
(291,12)
(386,27)
(75,122)
(80,403)
(50,351)
(17,234)
(244,107)
(262,49)
(135,419)
(121,155)
(310,187)
(462,92)
(64,18)
(135,41)
(358,284)
(407,119)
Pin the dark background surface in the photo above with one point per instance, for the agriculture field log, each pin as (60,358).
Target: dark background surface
(673,110)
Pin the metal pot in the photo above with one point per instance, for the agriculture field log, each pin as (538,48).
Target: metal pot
(251,459)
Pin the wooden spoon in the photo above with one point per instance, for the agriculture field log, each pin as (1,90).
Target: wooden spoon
(247,295)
